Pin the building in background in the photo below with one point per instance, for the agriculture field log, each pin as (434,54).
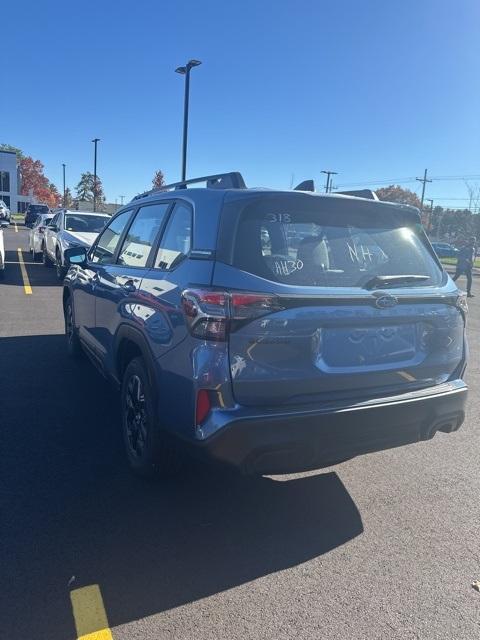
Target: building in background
(10,183)
(103,207)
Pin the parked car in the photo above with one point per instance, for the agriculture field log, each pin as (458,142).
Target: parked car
(34,210)
(445,250)
(258,354)
(3,225)
(36,234)
(70,229)
(4,212)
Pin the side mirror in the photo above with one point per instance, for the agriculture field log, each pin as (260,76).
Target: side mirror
(76,255)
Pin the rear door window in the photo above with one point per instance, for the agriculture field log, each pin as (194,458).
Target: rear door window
(142,234)
(331,248)
(176,241)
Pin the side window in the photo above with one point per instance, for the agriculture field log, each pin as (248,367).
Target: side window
(141,236)
(107,242)
(54,220)
(177,239)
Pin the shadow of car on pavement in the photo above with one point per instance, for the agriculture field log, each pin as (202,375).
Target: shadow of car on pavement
(76,516)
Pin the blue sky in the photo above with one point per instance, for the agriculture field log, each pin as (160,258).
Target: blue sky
(373,89)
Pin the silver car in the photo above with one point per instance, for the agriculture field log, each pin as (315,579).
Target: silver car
(36,236)
(69,229)
(4,212)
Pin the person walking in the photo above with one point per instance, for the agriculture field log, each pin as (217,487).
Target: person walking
(465,260)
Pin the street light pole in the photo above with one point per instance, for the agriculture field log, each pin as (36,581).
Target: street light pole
(95,142)
(64,196)
(185,71)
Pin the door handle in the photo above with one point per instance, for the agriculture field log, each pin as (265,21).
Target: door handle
(129,286)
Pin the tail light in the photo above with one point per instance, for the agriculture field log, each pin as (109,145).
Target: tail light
(211,315)
(203,406)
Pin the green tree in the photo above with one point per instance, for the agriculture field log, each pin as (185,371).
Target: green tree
(68,198)
(84,188)
(87,187)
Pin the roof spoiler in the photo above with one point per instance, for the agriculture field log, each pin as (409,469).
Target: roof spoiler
(306,185)
(361,193)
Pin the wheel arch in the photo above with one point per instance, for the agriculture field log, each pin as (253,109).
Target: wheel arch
(131,343)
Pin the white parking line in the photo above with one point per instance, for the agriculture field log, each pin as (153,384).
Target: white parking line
(16,228)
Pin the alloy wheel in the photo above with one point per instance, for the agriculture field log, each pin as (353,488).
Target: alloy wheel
(136,419)
(69,323)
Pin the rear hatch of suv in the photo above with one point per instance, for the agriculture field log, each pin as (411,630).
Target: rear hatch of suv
(33,211)
(332,297)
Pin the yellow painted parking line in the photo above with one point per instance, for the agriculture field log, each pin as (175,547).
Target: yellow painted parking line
(16,228)
(26,282)
(89,613)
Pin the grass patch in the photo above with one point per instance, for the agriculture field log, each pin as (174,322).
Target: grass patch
(453,262)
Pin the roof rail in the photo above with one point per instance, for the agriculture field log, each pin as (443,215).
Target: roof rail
(231,180)
(360,193)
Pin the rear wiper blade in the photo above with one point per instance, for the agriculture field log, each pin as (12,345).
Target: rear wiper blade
(379,282)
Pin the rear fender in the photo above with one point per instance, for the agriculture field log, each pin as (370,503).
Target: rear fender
(131,338)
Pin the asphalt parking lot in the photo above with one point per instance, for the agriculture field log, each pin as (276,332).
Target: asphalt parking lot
(384,546)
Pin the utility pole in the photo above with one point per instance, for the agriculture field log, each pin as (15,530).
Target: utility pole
(329,173)
(424,181)
(64,197)
(430,222)
(95,142)
(121,199)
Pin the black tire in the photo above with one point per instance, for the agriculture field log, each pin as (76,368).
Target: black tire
(74,348)
(149,451)
(45,259)
(60,269)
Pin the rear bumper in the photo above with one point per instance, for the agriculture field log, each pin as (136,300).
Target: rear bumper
(291,442)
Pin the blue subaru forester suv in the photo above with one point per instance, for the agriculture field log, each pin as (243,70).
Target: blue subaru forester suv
(276,331)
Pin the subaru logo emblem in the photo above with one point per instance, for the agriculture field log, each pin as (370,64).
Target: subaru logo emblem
(386,302)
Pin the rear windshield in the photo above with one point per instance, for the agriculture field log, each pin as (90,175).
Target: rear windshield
(331,248)
(37,208)
(85,224)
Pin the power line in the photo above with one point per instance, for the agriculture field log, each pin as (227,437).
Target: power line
(374,182)
(389,181)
